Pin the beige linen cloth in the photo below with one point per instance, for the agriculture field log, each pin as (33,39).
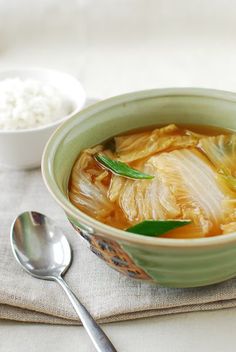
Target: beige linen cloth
(108,295)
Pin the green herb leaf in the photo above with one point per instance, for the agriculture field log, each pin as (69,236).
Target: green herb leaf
(119,168)
(156,227)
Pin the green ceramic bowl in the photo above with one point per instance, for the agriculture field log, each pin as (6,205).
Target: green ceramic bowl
(169,262)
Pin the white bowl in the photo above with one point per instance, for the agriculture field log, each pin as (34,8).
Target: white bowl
(22,149)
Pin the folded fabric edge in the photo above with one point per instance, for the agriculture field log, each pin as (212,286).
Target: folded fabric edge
(26,316)
(38,307)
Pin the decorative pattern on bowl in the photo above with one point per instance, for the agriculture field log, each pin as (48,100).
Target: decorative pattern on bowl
(113,254)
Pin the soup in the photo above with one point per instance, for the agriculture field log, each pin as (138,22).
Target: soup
(171,181)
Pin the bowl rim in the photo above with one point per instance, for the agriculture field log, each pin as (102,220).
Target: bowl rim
(78,107)
(92,225)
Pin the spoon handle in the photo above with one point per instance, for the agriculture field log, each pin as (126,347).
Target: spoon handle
(98,337)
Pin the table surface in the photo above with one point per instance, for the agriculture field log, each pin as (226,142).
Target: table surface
(201,331)
(111,51)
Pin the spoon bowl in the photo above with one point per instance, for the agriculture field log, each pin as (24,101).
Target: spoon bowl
(39,246)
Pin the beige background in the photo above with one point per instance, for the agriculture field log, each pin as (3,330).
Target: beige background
(116,46)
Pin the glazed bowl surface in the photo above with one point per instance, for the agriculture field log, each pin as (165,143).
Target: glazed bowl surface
(169,262)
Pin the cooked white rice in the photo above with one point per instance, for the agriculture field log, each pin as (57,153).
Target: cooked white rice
(29,103)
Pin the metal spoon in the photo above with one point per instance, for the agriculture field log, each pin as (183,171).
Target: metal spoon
(44,252)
